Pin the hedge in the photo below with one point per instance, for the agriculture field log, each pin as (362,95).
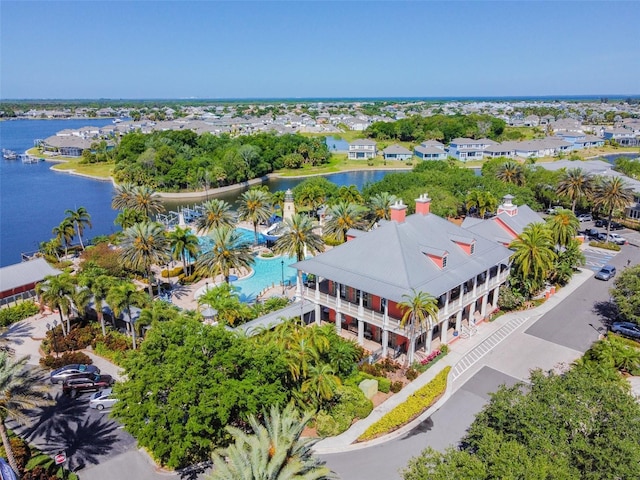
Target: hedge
(606,246)
(417,403)
(351,405)
(66,358)
(18,312)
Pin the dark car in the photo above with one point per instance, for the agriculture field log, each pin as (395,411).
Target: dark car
(606,273)
(86,383)
(591,233)
(62,373)
(614,225)
(627,329)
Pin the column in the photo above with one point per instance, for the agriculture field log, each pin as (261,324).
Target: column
(460,301)
(360,332)
(496,291)
(338,322)
(459,322)
(429,340)
(317,289)
(446,302)
(317,312)
(486,281)
(475,285)
(444,326)
(483,310)
(385,332)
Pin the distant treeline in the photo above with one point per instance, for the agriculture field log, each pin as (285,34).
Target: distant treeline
(183,160)
(443,128)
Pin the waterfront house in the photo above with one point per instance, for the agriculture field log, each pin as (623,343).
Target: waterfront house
(19,280)
(396,152)
(623,136)
(359,284)
(362,149)
(466,149)
(430,150)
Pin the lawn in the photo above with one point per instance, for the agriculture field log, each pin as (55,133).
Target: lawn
(339,163)
(98,170)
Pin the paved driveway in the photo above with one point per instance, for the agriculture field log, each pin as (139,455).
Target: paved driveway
(445,427)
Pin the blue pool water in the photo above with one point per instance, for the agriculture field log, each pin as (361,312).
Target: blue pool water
(267,272)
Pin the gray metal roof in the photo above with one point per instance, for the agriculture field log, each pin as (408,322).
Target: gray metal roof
(272,319)
(363,141)
(390,260)
(397,149)
(25,273)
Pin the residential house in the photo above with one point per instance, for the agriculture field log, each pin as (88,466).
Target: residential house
(360,283)
(531,121)
(396,152)
(430,150)
(466,149)
(362,149)
(623,136)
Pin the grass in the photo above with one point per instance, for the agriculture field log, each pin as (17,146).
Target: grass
(339,162)
(98,170)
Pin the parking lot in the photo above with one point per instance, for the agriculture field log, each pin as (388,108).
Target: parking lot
(88,436)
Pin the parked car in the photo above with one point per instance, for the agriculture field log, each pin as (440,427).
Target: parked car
(86,383)
(614,225)
(553,210)
(585,217)
(627,329)
(591,233)
(62,373)
(102,399)
(613,237)
(606,273)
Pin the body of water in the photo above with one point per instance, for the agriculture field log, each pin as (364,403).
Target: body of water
(33,198)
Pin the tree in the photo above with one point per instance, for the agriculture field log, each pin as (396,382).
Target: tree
(299,238)
(534,254)
(580,424)
(626,294)
(137,198)
(64,233)
(342,217)
(121,298)
(217,213)
(142,246)
(128,218)
(188,381)
(99,285)
(420,308)
(55,291)
(21,389)
(80,218)
(380,206)
(228,251)
(481,201)
(321,384)
(575,184)
(511,172)
(564,227)
(184,244)
(273,451)
(612,194)
(254,207)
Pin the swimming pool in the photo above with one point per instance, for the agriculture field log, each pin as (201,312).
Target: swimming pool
(267,272)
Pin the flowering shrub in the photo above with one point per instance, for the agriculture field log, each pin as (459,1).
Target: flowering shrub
(430,357)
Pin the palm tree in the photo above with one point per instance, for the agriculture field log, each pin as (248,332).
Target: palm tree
(228,251)
(51,248)
(380,206)
(534,253)
(612,194)
(321,383)
(183,244)
(575,184)
(254,207)
(55,291)
(80,299)
(482,201)
(123,197)
(299,238)
(274,451)
(145,245)
(217,213)
(99,286)
(64,233)
(564,227)
(511,172)
(80,218)
(121,298)
(419,308)
(20,389)
(341,217)
(137,198)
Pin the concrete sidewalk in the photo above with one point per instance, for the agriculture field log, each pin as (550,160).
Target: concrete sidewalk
(463,355)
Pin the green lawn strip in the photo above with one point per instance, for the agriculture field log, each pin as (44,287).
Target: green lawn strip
(417,403)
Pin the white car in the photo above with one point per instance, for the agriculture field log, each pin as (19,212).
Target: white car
(102,399)
(585,217)
(613,237)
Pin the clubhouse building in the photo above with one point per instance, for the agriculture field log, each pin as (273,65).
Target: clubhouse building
(359,284)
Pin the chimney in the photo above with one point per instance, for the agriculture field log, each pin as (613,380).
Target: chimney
(423,204)
(398,211)
(507,206)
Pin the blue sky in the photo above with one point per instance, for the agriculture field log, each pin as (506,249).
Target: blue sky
(207,49)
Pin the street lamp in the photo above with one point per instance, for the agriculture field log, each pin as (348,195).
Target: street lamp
(282,270)
(53,335)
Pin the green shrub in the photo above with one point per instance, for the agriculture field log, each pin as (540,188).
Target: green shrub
(605,245)
(18,312)
(351,405)
(396,386)
(174,272)
(412,374)
(114,356)
(384,384)
(331,241)
(66,358)
(417,403)
(327,426)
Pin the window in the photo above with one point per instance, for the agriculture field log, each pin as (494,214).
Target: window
(472,249)
(444,261)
